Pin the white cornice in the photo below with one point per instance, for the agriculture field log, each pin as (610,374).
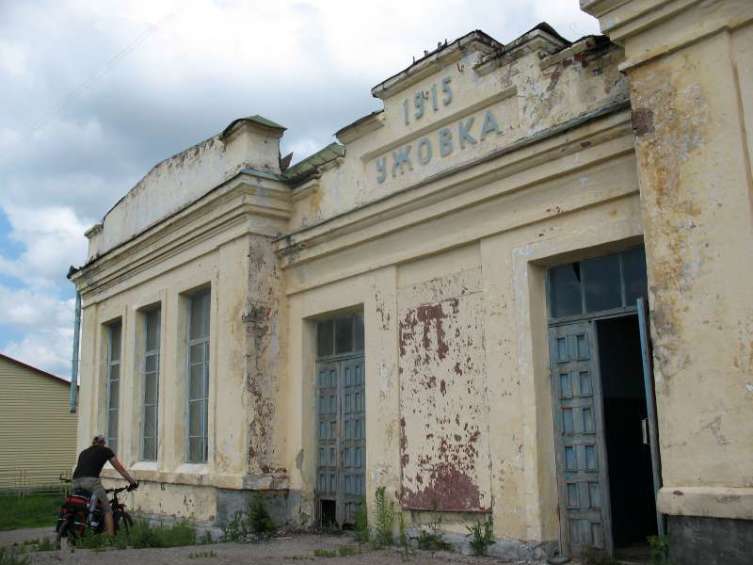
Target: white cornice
(263,211)
(649,29)
(413,204)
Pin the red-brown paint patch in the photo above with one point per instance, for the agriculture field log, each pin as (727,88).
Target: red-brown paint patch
(449,490)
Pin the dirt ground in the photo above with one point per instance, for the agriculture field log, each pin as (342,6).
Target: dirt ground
(279,551)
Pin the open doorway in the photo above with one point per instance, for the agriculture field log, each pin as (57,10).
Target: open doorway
(604,418)
(631,489)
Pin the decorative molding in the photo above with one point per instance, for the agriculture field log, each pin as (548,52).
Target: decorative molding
(608,124)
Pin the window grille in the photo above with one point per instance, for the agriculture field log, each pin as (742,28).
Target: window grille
(113,383)
(152,327)
(198,376)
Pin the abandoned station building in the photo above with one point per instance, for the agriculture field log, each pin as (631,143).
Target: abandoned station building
(521,290)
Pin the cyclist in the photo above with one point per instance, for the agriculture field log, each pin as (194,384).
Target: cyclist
(86,476)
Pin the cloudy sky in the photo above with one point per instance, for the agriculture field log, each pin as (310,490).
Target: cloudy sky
(95,92)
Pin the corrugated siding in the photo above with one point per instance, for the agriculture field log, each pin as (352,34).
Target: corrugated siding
(37,431)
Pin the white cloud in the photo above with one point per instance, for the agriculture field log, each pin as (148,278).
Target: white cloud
(46,324)
(52,240)
(116,87)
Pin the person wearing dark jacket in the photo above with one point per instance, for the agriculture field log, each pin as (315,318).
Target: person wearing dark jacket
(86,476)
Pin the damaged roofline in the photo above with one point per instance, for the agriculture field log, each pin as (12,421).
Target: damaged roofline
(538,137)
(73,271)
(418,68)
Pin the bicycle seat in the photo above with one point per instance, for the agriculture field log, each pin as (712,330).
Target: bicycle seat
(82,492)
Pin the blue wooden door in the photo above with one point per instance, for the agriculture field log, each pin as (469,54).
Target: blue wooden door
(327,416)
(353,441)
(581,450)
(341,435)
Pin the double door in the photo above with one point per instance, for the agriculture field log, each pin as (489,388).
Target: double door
(341,436)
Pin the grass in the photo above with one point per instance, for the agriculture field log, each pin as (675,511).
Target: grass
(30,511)
(143,535)
(42,544)
(342,551)
(10,556)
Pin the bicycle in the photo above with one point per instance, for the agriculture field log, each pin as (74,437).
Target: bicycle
(81,514)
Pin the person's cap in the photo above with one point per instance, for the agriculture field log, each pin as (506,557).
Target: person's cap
(99,438)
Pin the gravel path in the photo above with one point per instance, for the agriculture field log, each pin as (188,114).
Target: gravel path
(9,537)
(288,550)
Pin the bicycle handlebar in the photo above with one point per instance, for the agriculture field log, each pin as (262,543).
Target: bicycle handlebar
(129,488)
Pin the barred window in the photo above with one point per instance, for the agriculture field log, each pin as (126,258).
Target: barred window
(114,331)
(198,376)
(151,384)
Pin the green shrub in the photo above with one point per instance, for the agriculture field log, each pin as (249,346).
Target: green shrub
(259,519)
(256,521)
(347,551)
(433,540)
(385,519)
(659,550)
(482,536)
(361,528)
(325,553)
(235,529)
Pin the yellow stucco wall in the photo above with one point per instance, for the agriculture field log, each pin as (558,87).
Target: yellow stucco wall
(457,245)
(37,429)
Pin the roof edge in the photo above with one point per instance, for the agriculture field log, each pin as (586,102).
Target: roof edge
(34,369)
(444,52)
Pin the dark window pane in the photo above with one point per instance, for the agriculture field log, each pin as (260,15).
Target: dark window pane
(601,276)
(564,289)
(114,389)
(197,353)
(359,332)
(150,421)
(150,449)
(634,272)
(325,338)
(344,335)
(150,363)
(195,409)
(196,450)
(196,385)
(150,388)
(152,329)
(115,341)
(200,315)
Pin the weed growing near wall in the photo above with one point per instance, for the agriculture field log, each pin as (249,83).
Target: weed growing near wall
(482,536)
(361,527)
(659,550)
(385,519)
(253,525)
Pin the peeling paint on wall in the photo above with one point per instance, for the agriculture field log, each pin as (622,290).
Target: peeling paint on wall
(263,358)
(443,451)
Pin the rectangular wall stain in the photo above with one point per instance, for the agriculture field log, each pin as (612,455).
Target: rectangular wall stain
(443,441)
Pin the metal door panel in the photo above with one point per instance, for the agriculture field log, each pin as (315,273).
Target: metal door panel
(581,450)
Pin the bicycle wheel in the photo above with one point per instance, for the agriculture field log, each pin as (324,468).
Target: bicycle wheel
(62,532)
(124,522)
